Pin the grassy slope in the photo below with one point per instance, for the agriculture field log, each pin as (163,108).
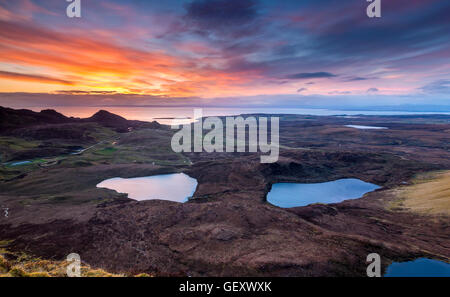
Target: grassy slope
(430,194)
(72,178)
(22,265)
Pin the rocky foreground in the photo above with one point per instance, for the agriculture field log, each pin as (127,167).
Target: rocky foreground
(228,228)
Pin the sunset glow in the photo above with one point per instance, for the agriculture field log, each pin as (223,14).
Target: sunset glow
(218,48)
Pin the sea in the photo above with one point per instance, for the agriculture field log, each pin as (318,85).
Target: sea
(166,115)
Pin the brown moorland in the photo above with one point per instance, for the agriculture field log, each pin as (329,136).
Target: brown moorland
(228,228)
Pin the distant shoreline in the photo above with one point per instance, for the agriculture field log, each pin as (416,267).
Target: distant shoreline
(172,118)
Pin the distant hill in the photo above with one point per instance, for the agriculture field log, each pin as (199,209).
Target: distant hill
(103,116)
(120,124)
(12,119)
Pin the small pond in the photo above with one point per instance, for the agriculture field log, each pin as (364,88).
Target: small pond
(287,195)
(418,268)
(176,187)
(366,127)
(20,163)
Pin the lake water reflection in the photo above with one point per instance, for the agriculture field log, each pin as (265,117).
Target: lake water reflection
(360,127)
(294,194)
(173,187)
(418,268)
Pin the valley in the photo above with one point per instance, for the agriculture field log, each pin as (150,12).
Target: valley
(227,228)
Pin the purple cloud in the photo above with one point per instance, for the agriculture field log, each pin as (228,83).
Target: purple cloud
(309,75)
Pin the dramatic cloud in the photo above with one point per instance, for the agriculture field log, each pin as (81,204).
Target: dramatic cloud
(30,77)
(306,75)
(437,87)
(339,93)
(357,78)
(222,12)
(231,18)
(226,48)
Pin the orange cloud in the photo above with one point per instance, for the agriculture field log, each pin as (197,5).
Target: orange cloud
(98,64)
(35,78)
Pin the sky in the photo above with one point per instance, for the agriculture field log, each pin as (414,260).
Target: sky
(225,53)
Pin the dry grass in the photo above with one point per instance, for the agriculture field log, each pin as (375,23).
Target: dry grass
(22,265)
(430,194)
(44,268)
